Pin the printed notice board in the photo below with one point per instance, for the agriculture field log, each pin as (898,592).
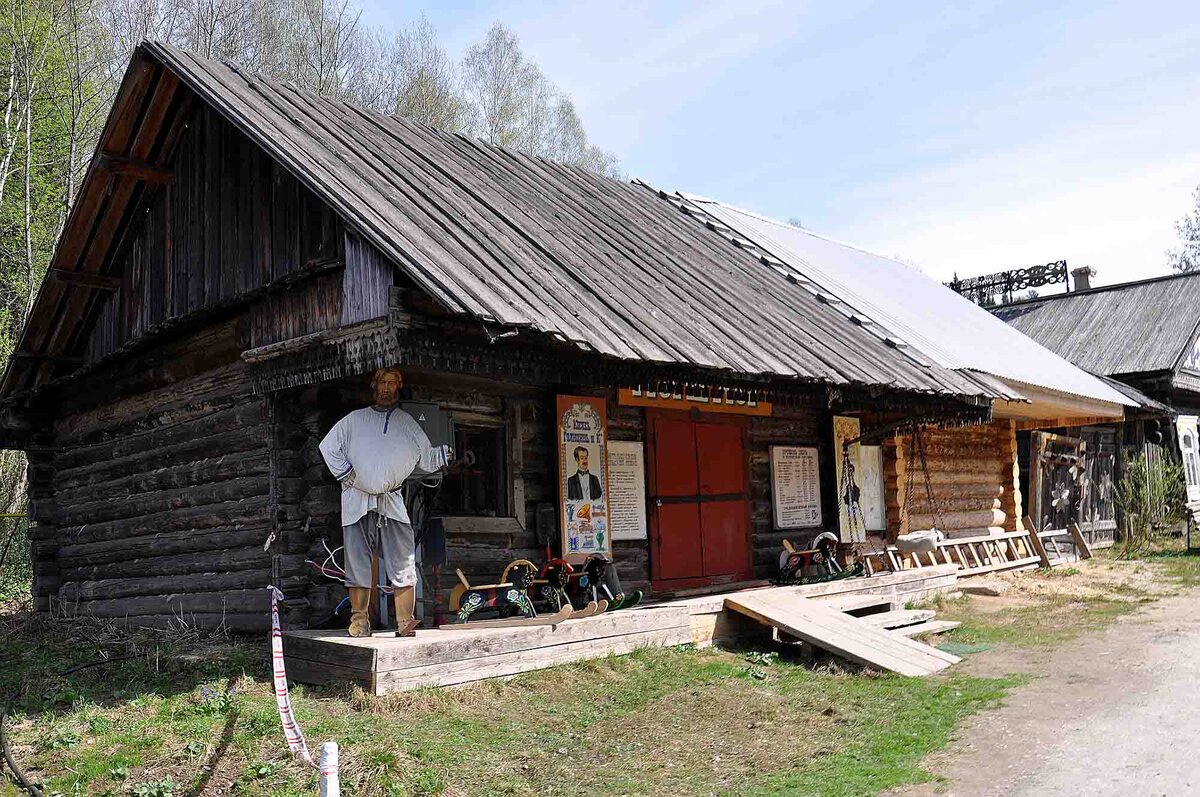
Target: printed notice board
(795,487)
(627,490)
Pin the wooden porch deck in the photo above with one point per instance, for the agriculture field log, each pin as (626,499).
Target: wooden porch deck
(445,657)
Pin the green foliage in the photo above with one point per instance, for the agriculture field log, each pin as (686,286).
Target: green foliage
(16,567)
(155,788)
(1151,494)
(1186,257)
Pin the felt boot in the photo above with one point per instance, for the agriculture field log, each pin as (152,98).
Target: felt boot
(406,604)
(360,607)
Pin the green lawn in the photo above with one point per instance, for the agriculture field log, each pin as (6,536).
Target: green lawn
(188,715)
(665,721)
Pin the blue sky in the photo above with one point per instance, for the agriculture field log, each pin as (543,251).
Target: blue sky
(968,137)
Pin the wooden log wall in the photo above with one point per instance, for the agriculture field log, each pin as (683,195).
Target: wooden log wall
(481,547)
(230,220)
(167,480)
(789,426)
(973,471)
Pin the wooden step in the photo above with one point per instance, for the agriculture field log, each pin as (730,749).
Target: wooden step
(820,624)
(930,627)
(899,618)
(858,604)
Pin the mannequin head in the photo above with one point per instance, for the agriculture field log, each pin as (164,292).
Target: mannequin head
(385,386)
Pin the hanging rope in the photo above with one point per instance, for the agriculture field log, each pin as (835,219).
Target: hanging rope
(916,445)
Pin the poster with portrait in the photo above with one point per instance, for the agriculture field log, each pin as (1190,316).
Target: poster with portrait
(583,476)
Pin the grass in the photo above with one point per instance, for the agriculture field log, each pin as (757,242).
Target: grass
(1057,618)
(172,722)
(184,714)
(1046,624)
(1181,566)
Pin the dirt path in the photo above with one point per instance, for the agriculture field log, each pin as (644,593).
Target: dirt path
(1115,712)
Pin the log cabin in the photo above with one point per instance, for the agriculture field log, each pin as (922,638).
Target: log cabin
(242,254)
(1144,338)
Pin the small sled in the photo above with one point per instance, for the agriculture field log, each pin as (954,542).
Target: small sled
(508,596)
(815,565)
(513,622)
(592,609)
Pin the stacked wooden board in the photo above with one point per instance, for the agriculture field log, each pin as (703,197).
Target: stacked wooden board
(439,657)
(827,627)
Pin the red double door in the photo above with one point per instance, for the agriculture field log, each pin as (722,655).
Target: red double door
(700,508)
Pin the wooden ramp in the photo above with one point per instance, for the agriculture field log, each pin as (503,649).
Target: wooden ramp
(848,637)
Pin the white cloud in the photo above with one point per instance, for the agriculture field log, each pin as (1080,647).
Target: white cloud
(1118,223)
(1105,195)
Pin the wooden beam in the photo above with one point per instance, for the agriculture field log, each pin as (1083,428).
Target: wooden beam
(1082,548)
(84,279)
(122,166)
(1035,542)
(54,359)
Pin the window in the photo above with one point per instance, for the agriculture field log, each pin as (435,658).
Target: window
(478,489)
(1187,443)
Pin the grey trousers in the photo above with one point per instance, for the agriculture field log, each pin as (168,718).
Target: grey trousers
(375,532)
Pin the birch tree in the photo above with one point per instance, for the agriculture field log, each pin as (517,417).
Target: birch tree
(1186,256)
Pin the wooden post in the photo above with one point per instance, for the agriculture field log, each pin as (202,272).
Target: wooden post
(1037,449)
(1036,542)
(1081,545)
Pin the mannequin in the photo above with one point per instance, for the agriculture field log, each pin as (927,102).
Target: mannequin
(371,452)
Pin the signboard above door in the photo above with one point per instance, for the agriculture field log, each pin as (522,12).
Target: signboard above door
(704,398)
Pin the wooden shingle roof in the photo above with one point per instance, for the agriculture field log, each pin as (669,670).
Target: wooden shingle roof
(1129,328)
(524,243)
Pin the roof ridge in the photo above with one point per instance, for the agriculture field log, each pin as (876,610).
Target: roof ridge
(276,84)
(1098,289)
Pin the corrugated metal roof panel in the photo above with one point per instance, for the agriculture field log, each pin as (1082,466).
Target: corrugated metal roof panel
(950,330)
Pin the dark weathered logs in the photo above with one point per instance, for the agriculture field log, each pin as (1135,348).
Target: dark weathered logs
(177,442)
(234,465)
(246,601)
(197,447)
(181,564)
(137,506)
(73,591)
(189,541)
(251,512)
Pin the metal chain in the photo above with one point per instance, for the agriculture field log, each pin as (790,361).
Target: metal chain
(916,446)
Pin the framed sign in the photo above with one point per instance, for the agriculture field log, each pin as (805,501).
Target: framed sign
(627,490)
(795,487)
(583,477)
(698,397)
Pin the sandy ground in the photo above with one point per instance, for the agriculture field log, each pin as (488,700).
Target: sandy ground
(1116,712)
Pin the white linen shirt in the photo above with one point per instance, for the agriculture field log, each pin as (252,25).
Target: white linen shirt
(382,448)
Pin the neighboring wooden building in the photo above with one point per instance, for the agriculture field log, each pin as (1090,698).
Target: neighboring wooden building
(1144,338)
(242,254)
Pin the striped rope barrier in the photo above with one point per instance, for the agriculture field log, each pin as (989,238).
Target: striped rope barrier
(328,764)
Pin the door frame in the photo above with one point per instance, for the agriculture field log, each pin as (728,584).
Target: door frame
(695,416)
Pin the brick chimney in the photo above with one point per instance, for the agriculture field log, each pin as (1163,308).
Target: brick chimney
(1083,277)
